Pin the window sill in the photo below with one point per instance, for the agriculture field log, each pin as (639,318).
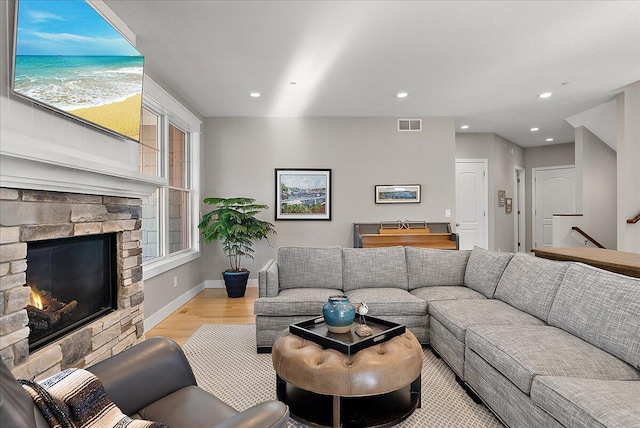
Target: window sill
(157,267)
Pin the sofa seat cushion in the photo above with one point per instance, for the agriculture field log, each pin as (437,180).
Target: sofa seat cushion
(588,402)
(602,308)
(428,267)
(484,270)
(374,268)
(310,267)
(458,315)
(294,301)
(447,292)
(188,407)
(530,284)
(520,353)
(389,301)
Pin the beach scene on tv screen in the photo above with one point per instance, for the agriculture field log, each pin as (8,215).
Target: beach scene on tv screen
(70,58)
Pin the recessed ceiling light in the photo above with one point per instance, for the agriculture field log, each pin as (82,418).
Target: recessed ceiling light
(464,127)
(549,139)
(545,95)
(535,129)
(402,94)
(255,94)
(292,83)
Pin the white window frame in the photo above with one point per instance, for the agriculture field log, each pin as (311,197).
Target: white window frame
(172,112)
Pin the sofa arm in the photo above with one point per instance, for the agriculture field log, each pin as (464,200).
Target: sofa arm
(144,373)
(270,414)
(268,285)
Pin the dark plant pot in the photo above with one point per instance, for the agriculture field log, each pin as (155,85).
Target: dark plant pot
(236,283)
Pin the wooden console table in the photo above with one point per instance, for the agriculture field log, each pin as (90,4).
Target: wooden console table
(612,260)
(424,235)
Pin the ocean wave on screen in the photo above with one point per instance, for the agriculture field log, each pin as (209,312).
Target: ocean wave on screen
(84,83)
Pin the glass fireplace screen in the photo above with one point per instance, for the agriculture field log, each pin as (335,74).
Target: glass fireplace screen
(72,282)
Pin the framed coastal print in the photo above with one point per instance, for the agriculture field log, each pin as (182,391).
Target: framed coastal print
(397,193)
(303,194)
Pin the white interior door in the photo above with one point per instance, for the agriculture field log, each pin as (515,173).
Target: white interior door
(554,192)
(471,203)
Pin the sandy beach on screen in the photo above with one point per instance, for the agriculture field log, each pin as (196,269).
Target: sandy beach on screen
(122,117)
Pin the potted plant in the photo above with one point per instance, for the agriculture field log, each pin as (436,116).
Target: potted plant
(232,222)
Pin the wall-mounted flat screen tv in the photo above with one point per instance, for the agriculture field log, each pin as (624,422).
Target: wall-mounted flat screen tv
(70,59)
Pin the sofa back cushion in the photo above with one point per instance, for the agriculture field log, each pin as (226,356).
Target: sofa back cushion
(310,267)
(530,284)
(374,268)
(602,308)
(428,267)
(484,270)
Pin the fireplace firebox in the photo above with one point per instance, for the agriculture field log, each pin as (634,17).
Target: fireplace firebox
(72,281)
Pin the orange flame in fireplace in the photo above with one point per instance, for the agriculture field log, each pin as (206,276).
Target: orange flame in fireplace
(35,299)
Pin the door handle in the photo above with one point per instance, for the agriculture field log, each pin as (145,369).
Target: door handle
(457,224)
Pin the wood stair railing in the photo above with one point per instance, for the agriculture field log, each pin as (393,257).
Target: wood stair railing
(587,237)
(634,220)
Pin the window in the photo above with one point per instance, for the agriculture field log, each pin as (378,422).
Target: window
(169,150)
(178,190)
(149,163)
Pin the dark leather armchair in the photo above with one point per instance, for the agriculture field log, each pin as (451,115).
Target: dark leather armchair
(153,381)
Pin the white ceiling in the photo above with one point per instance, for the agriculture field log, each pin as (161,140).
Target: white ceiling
(482,62)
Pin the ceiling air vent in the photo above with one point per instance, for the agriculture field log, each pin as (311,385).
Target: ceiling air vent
(409,124)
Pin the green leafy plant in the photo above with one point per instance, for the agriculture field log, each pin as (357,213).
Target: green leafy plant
(232,221)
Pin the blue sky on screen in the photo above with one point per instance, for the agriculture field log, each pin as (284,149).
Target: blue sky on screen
(61,27)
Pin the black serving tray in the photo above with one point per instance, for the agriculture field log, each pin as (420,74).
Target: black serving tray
(349,343)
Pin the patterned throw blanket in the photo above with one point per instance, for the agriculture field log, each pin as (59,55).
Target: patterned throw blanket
(75,398)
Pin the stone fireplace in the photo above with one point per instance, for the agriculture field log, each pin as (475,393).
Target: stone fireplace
(32,216)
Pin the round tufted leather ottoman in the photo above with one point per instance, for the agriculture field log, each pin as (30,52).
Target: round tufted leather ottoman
(378,386)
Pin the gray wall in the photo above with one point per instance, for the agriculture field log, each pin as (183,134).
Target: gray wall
(240,155)
(159,291)
(537,157)
(596,176)
(501,164)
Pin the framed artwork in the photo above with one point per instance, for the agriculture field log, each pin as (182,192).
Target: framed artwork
(397,193)
(508,205)
(501,194)
(303,194)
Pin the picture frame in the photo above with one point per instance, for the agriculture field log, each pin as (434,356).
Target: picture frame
(303,194)
(398,193)
(508,205)
(501,195)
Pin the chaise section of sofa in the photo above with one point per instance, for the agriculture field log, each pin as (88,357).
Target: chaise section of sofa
(593,334)
(588,402)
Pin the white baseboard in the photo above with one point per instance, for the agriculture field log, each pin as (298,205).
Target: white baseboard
(155,319)
(163,313)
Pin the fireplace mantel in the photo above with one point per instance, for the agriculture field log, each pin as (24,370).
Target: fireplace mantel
(47,168)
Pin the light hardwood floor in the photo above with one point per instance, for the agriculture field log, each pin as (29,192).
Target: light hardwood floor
(211,306)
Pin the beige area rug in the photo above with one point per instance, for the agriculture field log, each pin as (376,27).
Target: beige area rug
(225,363)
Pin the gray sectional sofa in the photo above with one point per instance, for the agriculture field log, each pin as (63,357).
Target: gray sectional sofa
(542,343)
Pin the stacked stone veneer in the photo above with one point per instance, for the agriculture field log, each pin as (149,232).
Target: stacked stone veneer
(27,215)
